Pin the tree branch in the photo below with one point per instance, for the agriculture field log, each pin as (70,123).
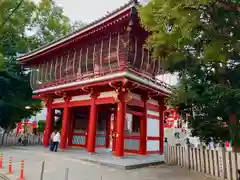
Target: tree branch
(13,11)
(234,7)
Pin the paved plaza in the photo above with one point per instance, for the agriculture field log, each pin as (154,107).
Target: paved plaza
(82,170)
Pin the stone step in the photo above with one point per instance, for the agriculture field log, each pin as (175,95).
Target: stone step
(119,165)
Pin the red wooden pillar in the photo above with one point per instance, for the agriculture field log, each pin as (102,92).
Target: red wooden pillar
(65,123)
(143,129)
(51,126)
(92,125)
(49,122)
(121,113)
(161,124)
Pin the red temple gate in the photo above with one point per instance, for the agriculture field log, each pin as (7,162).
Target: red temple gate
(104,79)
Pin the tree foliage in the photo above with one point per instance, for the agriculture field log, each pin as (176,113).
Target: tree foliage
(12,35)
(200,40)
(1,62)
(76,25)
(16,95)
(41,125)
(30,25)
(48,23)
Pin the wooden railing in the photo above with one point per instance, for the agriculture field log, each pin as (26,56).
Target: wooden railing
(36,86)
(217,162)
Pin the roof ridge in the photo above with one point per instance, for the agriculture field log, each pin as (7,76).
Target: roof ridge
(134,2)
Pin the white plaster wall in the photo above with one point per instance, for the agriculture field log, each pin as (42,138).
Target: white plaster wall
(134,96)
(107,94)
(58,100)
(87,97)
(153,145)
(82,97)
(153,130)
(152,127)
(128,122)
(154,113)
(154,102)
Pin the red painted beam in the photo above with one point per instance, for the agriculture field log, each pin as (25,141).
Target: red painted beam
(36,97)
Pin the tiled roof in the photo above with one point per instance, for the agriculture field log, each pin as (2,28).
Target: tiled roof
(129,4)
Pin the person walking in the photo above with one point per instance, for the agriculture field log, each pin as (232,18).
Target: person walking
(56,140)
(51,141)
(20,139)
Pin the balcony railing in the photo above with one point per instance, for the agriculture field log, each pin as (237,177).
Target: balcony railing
(108,55)
(95,74)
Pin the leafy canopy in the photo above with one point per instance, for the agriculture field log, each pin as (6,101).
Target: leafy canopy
(30,26)
(200,40)
(41,125)
(16,95)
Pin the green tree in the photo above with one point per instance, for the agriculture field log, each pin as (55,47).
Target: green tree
(13,36)
(32,25)
(1,63)
(24,25)
(199,40)
(48,23)
(16,101)
(41,125)
(76,25)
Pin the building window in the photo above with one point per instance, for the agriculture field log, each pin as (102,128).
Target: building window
(136,123)
(81,124)
(101,125)
(81,121)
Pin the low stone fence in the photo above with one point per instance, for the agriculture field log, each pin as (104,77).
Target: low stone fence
(218,163)
(13,140)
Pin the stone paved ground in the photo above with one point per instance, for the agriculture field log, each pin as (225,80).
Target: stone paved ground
(81,170)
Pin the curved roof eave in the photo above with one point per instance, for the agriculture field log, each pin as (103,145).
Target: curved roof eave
(70,36)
